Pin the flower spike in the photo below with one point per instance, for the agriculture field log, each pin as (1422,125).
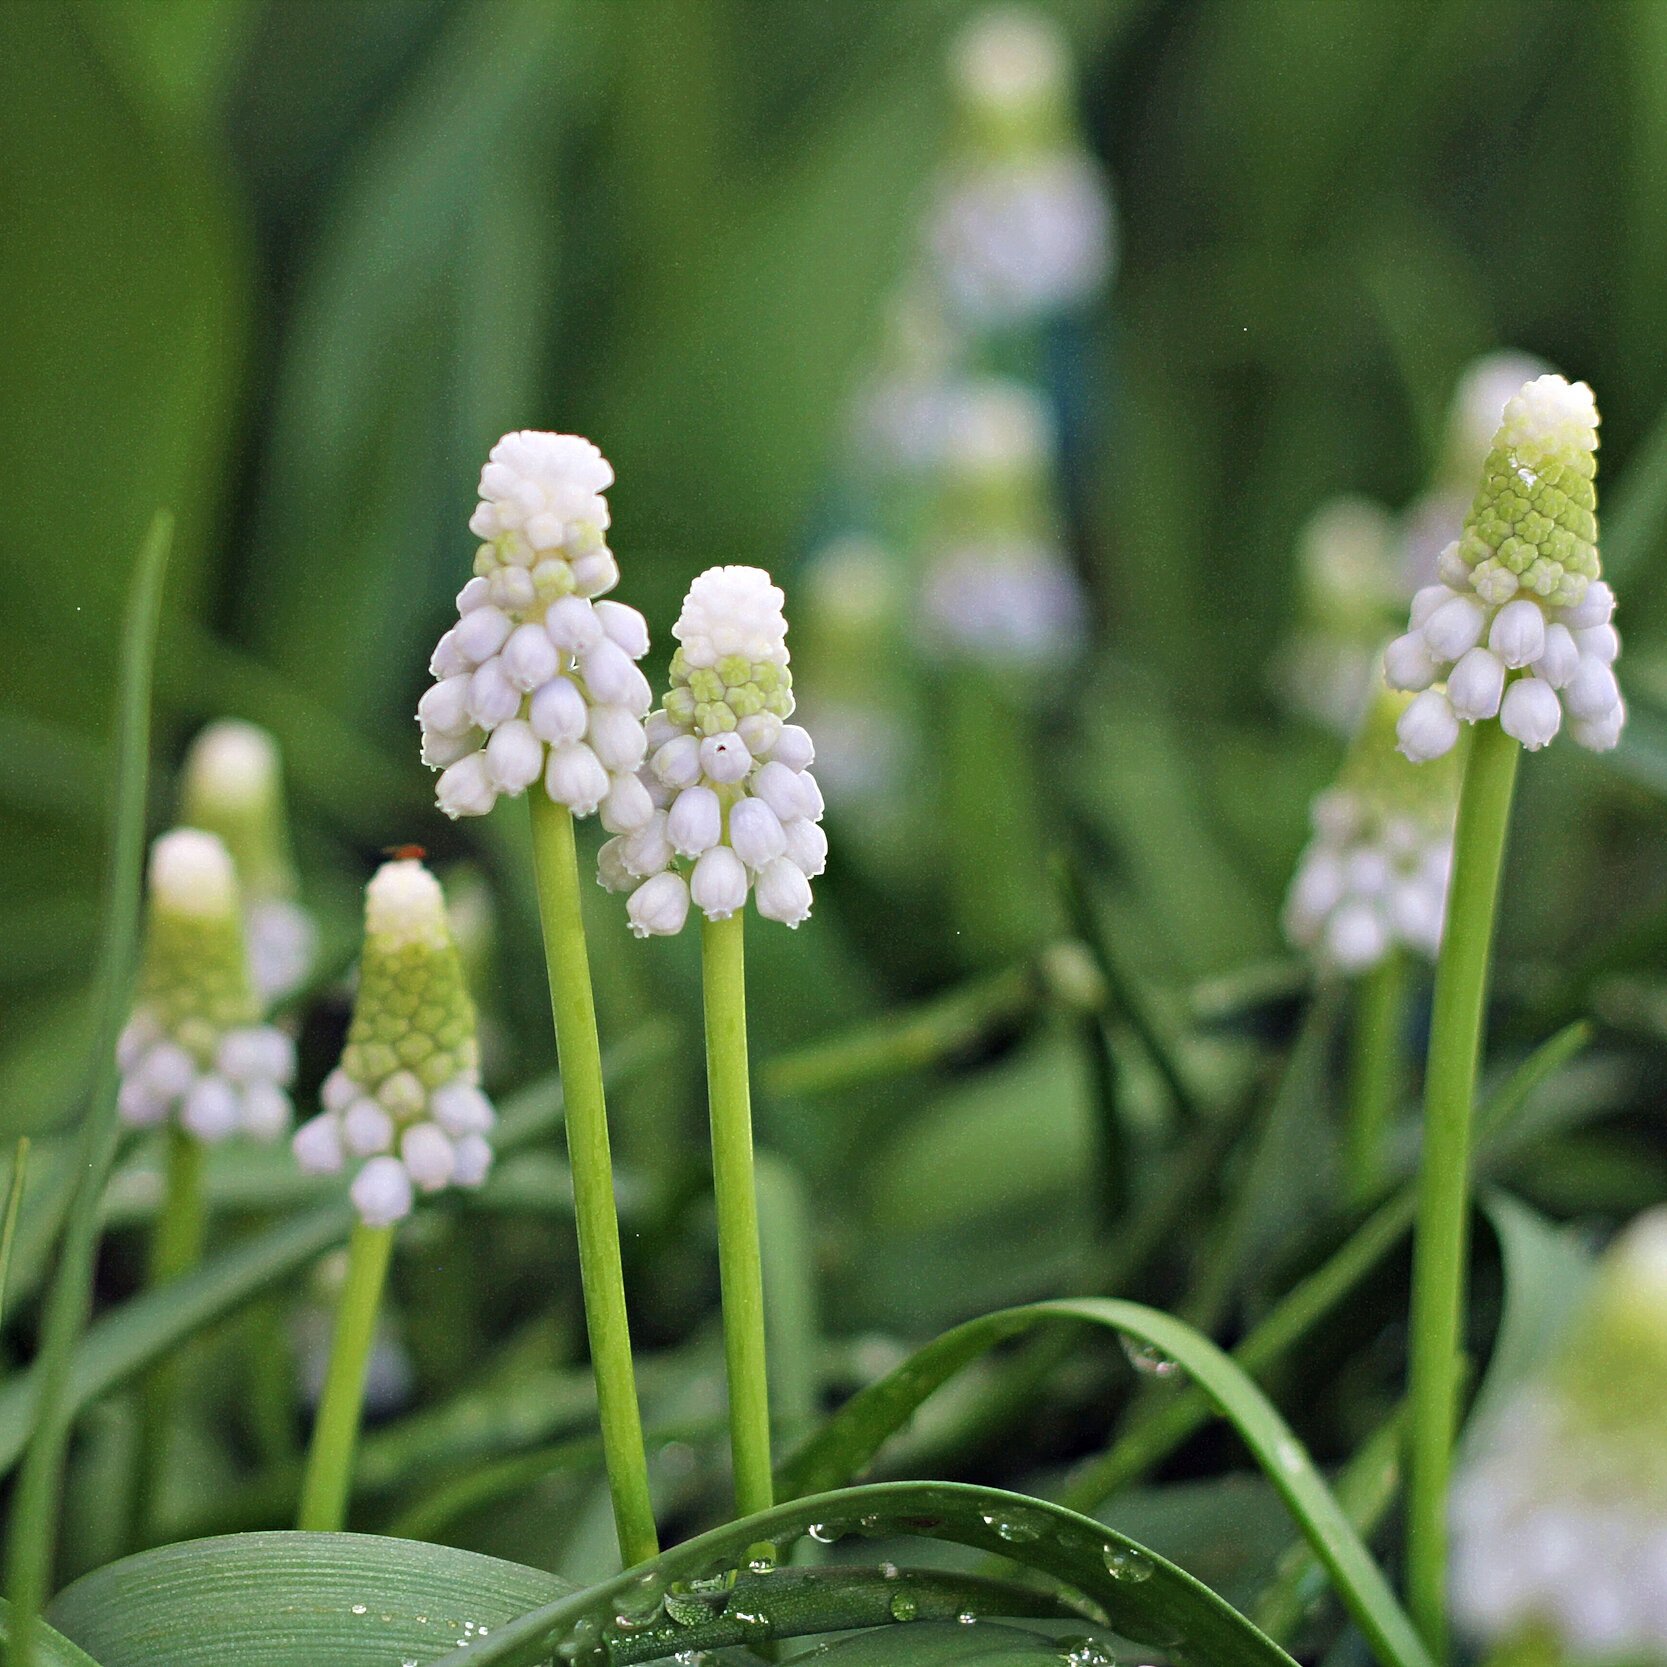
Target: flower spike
(1518,627)
(727,780)
(538,678)
(406,1096)
(195,1050)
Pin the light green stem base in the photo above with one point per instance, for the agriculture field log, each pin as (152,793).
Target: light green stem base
(1439,1259)
(601,1268)
(176,1248)
(740,1270)
(1374,1073)
(328,1479)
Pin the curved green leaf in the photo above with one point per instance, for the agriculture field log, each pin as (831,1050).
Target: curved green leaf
(294,1600)
(52,1648)
(1141,1595)
(849,1439)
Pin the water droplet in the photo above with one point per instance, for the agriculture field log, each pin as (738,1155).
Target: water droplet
(751,1621)
(361,1609)
(903,1606)
(1016,1527)
(692,1608)
(1127,1564)
(1086,1652)
(826,1533)
(889,1571)
(760,1563)
(967,1618)
(1151,1361)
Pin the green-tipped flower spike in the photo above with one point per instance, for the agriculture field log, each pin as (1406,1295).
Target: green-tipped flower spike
(999,586)
(406,1098)
(1375,873)
(195,1048)
(538,679)
(1022,228)
(233,787)
(1518,628)
(729,777)
(1560,1514)
(1351,595)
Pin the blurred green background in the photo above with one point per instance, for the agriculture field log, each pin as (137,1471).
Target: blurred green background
(289,268)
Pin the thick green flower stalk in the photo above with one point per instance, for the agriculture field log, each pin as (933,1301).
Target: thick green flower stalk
(233,787)
(195,1053)
(1517,631)
(1560,1510)
(1021,229)
(1373,879)
(405,1102)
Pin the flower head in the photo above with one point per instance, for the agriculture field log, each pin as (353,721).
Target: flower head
(1518,628)
(1560,1510)
(727,782)
(195,1050)
(538,679)
(405,1100)
(233,787)
(1022,226)
(1374,875)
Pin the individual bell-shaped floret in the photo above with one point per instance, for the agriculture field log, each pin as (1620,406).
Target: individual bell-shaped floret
(404,1106)
(538,680)
(727,778)
(1021,228)
(1374,875)
(195,1051)
(232,786)
(1518,626)
(1559,1511)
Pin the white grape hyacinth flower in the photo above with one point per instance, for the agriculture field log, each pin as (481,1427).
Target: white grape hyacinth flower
(195,1053)
(405,1104)
(233,787)
(1518,628)
(538,680)
(1374,876)
(1559,1509)
(734,808)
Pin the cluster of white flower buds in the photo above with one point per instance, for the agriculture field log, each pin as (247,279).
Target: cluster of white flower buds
(998,586)
(1374,876)
(726,776)
(232,786)
(195,1049)
(538,678)
(1518,628)
(405,1100)
(1559,1511)
(1022,226)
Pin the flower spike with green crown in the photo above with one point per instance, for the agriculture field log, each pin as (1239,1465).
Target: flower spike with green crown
(195,1050)
(233,787)
(1560,1512)
(538,678)
(729,777)
(1375,873)
(1518,628)
(406,1098)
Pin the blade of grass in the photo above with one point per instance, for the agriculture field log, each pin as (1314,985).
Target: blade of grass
(14,1202)
(34,1517)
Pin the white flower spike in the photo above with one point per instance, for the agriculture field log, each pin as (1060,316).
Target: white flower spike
(1559,1512)
(406,1096)
(232,787)
(538,679)
(195,1050)
(1518,628)
(1375,873)
(727,778)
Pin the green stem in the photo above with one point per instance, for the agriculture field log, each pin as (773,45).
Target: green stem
(328,1478)
(1374,1074)
(601,1268)
(176,1248)
(1438,1276)
(740,1270)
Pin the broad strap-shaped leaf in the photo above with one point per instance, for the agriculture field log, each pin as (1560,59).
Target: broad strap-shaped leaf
(849,1439)
(663,1603)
